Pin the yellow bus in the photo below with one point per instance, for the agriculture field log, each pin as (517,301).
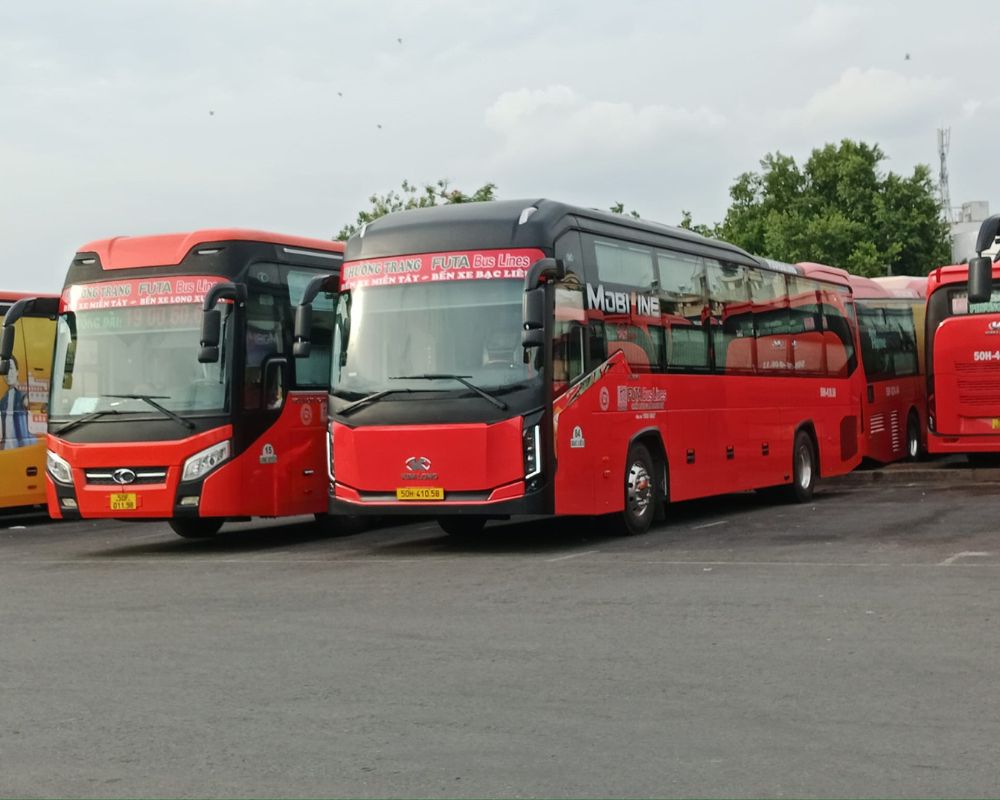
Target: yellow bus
(24,405)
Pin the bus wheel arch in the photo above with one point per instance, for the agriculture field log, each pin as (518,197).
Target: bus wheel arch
(645,473)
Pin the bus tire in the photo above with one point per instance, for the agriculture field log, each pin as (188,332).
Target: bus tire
(461,527)
(914,446)
(196,527)
(639,493)
(804,469)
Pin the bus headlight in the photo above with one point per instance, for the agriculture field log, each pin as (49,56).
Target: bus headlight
(532,457)
(58,468)
(204,462)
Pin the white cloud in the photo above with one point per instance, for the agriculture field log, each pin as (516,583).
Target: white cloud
(556,119)
(827,24)
(873,102)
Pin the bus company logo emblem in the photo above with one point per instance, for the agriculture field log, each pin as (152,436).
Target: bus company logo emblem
(605,397)
(123,476)
(577,442)
(613,302)
(418,469)
(993,329)
(267,455)
(418,464)
(306,414)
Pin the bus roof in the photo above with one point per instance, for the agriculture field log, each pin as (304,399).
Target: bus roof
(904,285)
(953,273)
(499,224)
(11,297)
(169,249)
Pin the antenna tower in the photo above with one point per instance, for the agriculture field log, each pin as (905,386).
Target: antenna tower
(944,193)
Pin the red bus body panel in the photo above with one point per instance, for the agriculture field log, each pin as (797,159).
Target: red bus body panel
(475,464)
(966,375)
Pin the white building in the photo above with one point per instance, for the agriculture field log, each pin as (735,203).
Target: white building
(966,229)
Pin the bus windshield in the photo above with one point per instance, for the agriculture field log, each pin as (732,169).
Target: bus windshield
(388,336)
(143,351)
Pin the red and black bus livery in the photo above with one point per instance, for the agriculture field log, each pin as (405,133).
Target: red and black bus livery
(963,354)
(531,357)
(174,393)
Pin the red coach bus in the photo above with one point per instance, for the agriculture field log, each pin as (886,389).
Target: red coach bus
(963,354)
(511,358)
(174,395)
(890,315)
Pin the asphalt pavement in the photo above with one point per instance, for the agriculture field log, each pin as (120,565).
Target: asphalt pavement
(847,647)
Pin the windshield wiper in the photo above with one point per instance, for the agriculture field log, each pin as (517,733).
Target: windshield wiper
(462,379)
(150,400)
(371,399)
(83,420)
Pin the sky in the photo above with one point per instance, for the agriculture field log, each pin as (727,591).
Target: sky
(129,118)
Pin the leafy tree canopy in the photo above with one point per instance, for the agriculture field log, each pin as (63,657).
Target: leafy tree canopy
(839,208)
(409,195)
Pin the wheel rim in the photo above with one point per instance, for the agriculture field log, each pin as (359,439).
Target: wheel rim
(805,466)
(914,444)
(638,488)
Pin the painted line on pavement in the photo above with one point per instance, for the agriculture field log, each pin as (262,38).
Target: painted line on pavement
(571,555)
(964,554)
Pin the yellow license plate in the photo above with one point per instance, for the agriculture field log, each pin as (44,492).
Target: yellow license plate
(123,501)
(420,493)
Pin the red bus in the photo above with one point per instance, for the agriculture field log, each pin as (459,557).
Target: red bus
(963,354)
(174,395)
(532,357)
(890,315)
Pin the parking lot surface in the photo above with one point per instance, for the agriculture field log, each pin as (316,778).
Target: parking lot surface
(847,647)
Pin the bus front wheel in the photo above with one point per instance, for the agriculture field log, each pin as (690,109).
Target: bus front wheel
(804,469)
(196,527)
(640,493)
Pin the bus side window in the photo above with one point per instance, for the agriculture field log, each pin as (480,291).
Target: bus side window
(683,311)
(808,352)
(838,335)
(569,333)
(771,326)
(313,371)
(729,303)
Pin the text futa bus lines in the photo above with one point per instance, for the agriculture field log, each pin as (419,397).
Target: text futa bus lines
(24,400)
(174,393)
(659,365)
(963,347)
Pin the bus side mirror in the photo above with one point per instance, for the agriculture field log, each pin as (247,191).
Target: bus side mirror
(989,231)
(211,328)
(533,315)
(6,348)
(980,279)
(301,346)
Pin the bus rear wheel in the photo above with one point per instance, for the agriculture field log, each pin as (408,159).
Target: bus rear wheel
(196,527)
(640,493)
(462,526)
(804,469)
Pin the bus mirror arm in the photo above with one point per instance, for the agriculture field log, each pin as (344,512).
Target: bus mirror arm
(981,267)
(211,321)
(301,345)
(25,307)
(544,270)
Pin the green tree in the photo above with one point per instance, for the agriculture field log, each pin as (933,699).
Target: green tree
(619,208)
(839,208)
(409,195)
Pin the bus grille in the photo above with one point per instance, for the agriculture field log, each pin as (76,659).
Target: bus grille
(143,475)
